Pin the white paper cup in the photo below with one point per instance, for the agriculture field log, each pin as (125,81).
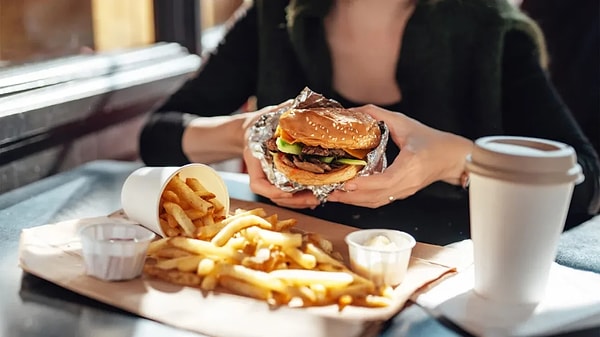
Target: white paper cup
(519,194)
(384,264)
(141,192)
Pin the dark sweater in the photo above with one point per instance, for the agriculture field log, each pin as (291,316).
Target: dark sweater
(473,68)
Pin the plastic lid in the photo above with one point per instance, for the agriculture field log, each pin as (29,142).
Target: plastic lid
(525,160)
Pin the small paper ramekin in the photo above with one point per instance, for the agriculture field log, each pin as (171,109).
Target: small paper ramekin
(115,251)
(385,266)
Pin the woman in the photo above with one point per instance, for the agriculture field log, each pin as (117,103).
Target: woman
(457,70)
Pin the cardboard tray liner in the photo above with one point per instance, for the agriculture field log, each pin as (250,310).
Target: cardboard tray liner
(53,252)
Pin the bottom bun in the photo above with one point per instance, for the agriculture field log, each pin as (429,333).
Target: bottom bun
(303,177)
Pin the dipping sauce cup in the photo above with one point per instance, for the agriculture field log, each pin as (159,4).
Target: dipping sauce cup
(113,251)
(381,255)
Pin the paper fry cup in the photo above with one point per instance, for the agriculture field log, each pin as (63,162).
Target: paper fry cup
(141,192)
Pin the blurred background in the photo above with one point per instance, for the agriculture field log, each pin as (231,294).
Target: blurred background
(77,77)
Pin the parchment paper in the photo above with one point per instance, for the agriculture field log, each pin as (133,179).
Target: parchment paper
(53,252)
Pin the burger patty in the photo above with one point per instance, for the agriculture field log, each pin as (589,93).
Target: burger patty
(311,150)
(307,160)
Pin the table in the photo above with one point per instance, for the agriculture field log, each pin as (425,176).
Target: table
(30,306)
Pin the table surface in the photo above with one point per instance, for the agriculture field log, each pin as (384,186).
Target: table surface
(30,306)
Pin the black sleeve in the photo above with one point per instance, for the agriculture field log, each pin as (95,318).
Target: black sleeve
(532,107)
(224,82)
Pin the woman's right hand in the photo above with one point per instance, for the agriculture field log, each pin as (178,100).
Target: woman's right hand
(260,184)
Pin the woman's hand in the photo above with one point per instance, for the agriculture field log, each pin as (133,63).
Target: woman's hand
(260,184)
(426,155)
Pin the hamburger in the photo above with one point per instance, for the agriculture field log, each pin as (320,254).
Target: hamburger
(322,145)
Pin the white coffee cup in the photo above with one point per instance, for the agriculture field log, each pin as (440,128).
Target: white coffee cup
(141,192)
(519,194)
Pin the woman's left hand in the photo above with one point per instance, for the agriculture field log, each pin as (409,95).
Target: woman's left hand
(426,155)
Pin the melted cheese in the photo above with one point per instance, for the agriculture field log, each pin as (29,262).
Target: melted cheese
(357,153)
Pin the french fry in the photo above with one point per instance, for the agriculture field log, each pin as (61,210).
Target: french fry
(257,278)
(321,293)
(171,222)
(182,219)
(171,253)
(195,185)
(157,245)
(260,212)
(205,267)
(172,232)
(209,282)
(205,248)
(273,238)
(164,224)
(323,257)
(216,203)
(320,242)
(208,220)
(236,225)
(272,219)
(373,301)
(207,232)
(307,294)
(358,279)
(184,263)
(173,276)
(307,261)
(344,301)
(194,214)
(171,196)
(330,279)
(283,225)
(242,288)
(186,194)
(355,290)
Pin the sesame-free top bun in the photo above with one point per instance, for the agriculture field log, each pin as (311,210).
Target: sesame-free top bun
(331,128)
(303,177)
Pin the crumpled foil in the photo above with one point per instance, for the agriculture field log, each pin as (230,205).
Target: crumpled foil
(264,128)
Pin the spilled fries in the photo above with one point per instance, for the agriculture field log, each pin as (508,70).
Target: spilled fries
(256,255)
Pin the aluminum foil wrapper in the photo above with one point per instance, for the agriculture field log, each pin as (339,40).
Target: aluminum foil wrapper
(265,127)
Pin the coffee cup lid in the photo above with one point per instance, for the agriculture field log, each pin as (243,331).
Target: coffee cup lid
(524,160)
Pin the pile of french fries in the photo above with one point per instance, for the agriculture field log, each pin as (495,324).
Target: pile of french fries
(254,254)
(186,206)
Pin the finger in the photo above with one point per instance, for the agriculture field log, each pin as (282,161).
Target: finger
(259,183)
(399,124)
(374,111)
(297,203)
(378,189)
(302,199)
(357,199)
(372,192)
